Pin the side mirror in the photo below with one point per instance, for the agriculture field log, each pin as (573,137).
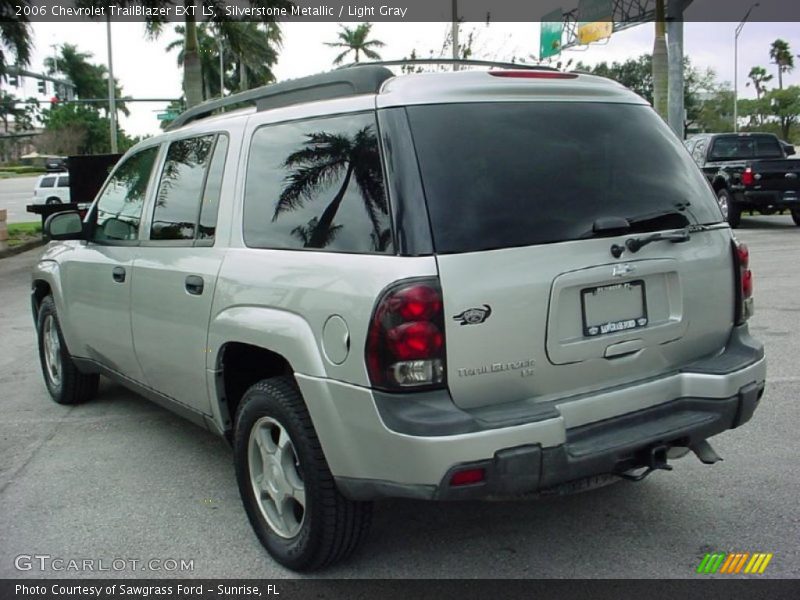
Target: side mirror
(66,225)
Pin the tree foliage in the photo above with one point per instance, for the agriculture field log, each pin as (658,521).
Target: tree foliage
(16,37)
(355,40)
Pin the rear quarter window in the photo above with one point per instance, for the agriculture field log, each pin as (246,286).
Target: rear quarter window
(317,184)
(47,182)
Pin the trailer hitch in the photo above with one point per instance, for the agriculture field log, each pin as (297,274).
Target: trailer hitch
(656,460)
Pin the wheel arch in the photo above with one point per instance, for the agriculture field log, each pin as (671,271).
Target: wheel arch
(248,344)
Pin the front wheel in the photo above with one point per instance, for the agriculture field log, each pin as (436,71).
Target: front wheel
(66,384)
(287,489)
(796,217)
(730,212)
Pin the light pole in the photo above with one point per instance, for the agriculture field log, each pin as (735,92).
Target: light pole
(736,67)
(112,92)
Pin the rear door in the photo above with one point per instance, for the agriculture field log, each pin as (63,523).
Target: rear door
(176,269)
(526,202)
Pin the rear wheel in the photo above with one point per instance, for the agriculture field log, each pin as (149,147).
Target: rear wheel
(66,384)
(796,216)
(730,211)
(287,489)
(53,200)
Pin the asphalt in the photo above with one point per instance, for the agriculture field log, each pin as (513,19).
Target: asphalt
(15,195)
(120,478)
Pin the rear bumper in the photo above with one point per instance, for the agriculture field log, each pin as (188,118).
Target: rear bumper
(779,199)
(409,446)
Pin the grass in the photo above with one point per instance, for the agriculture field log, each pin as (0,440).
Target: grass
(19,233)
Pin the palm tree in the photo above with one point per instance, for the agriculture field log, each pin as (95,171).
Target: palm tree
(781,56)
(355,40)
(759,78)
(320,163)
(249,51)
(16,38)
(192,66)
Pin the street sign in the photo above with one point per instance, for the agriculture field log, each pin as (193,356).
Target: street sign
(550,31)
(595,20)
(167,116)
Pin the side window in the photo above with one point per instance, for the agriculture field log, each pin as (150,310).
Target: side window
(63,181)
(699,152)
(119,208)
(47,182)
(317,184)
(179,192)
(210,203)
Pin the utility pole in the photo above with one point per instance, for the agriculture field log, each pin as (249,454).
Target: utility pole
(221,68)
(455,34)
(676,84)
(736,66)
(112,92)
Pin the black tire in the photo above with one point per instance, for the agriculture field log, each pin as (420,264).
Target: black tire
(731,212)
(70,386)
(53,200)
(331,526)
(796,217)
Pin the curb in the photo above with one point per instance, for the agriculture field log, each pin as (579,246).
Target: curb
(24,247)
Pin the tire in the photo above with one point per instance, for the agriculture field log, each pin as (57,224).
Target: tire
(316,526)
(731,212)
(796,217)
(66,384)
(53,200)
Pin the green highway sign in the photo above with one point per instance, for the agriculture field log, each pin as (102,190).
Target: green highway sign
(552,26)
(167,116)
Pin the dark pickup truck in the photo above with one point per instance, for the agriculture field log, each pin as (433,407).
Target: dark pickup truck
(749,172)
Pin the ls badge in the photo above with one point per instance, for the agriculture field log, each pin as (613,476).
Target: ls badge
(474,316)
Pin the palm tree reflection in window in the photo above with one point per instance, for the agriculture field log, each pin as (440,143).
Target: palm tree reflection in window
(178,199)
(319,163)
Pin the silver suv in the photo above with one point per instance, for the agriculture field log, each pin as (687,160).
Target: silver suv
(433,286)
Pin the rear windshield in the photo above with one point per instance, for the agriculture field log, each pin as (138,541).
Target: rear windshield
(743,147)
(498,175)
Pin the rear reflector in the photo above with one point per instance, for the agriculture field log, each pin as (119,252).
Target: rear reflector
(534,74)
(467,477)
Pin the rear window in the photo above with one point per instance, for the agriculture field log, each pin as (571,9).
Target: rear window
(47,182)
(744,147)
(63,181)
(498,175)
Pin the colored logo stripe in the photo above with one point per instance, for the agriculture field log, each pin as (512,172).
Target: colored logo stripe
(734,563)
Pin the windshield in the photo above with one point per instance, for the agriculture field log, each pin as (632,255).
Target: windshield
(743,147)
(498,175)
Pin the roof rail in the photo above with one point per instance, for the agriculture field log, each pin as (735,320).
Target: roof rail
(449,61)
(325,86)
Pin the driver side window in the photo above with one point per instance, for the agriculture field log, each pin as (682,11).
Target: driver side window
(119,209)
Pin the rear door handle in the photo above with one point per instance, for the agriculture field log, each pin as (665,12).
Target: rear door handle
(194,285)
(118,274)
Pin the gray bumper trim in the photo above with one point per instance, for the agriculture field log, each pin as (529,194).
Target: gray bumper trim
(614,445)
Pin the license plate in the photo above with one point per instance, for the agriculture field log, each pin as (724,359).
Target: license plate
(613,308)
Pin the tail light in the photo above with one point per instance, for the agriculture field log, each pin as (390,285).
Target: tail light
(743,277)
(747,177)
(405,343)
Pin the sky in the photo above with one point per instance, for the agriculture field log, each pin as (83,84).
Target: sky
(146,70)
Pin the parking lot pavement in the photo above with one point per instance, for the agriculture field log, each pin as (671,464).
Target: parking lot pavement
(15,195)
(122,478)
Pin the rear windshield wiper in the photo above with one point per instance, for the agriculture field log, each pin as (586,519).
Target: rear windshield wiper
(635,244)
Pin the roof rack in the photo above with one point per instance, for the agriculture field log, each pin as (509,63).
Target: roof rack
(450,61)
(343,82)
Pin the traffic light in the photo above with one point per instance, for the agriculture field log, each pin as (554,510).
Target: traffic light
(42,86)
